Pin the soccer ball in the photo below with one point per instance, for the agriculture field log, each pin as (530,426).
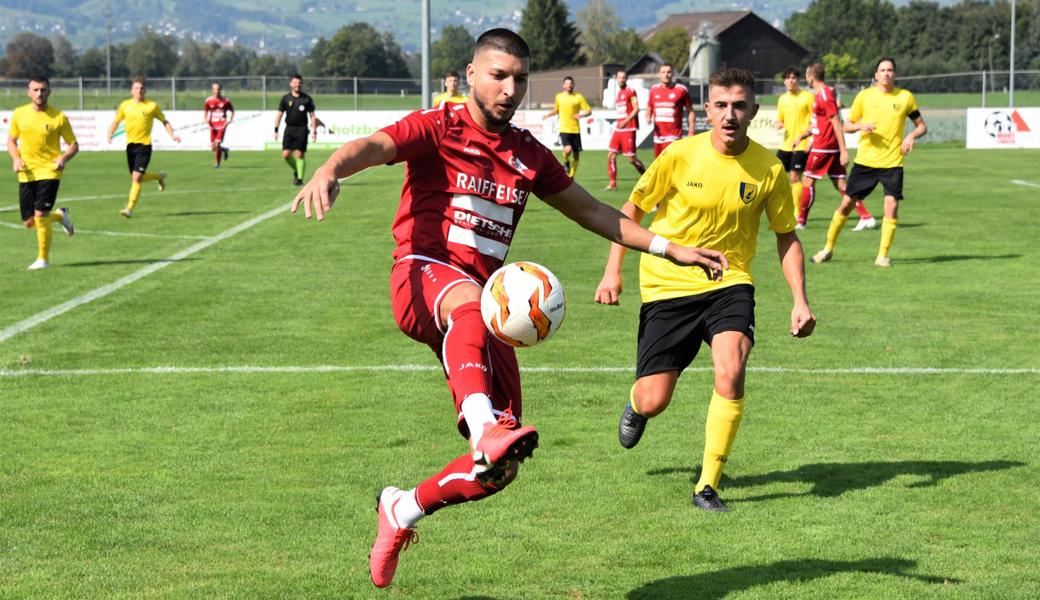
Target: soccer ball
(523,304)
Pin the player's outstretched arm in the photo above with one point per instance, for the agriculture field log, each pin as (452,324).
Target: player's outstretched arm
(792,261)
(16,158)
(579,206)
(609,289)
(353,157)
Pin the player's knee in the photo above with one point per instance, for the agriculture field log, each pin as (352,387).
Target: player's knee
(729,377)
(651,401)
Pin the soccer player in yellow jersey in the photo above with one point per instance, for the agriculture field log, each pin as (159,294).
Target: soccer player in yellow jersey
(794,112)
(138,113)
(709,190)
(570,106)
(34,143)
(879,113)
(451,91)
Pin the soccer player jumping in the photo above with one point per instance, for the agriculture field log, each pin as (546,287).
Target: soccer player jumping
(711,190)
(469,176)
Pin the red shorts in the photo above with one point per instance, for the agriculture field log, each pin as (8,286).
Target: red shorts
(216,132)
(821,164)
(623,142)
(417,286)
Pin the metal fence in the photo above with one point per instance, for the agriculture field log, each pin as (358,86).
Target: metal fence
(947,90)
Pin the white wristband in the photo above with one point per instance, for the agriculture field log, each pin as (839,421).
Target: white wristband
(658,245)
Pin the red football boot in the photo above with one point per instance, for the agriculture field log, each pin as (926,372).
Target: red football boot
(390,539)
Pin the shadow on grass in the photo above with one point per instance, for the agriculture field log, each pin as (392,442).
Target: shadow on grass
(944,258)
(197,213)
(718,584)
(128,261)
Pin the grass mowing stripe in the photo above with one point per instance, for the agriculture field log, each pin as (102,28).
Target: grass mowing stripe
(105,290)
(171,370)
(119,233)
(64,199)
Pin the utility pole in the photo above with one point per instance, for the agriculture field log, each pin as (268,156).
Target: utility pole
(425,54)
(108,46)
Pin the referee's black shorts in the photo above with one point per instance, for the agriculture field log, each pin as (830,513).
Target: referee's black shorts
(573,140)
(295,138)
(138,156)
(671,331)
(862,180)
(37,195)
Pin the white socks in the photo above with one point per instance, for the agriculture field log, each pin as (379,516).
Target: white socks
(476,410)
(406,509)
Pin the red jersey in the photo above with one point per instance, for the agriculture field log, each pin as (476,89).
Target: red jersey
(218,109)
(465,188)
(667,105)
(626,100)
(824,107)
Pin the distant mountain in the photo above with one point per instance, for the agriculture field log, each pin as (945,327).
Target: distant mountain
(293,25)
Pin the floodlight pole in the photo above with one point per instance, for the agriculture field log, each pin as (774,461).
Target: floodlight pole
(426,96)
(108,46)
(1011,78)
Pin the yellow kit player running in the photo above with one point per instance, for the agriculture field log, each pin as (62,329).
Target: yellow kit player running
(709,190)
(451,91)
(139,114)
(570,106)
(794,112)
(879,113)
(34,143)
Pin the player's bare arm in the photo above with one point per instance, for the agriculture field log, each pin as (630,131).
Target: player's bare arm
(72,150)
(169,130)
(837,127)
(853,127)
(792,262)
(610,286)
(17,164)
(919,130)
(631,115)
(579,206)
(320,193)
(277,123)
(314,127)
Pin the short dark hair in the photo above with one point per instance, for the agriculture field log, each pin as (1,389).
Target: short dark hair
(790,70)
(569,78)
(503,40)
(877,65)
(296,76)
(40,79)
(818,71)
(669,65)
(139,79)
(454,74)
(731,76)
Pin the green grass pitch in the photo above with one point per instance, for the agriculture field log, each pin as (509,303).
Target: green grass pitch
(122,480)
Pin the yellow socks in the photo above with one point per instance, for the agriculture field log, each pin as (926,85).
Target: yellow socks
(837,223)
(574,168)
(796,196)
(888,233)
(632,400)
(43,236)
(150,177)
(719,432)
(135,194)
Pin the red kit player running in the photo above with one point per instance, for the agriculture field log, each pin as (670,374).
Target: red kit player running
(623,141)
(468,179)
(219,113)
(668,100)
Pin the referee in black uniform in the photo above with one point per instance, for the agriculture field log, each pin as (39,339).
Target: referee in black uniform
(296,106)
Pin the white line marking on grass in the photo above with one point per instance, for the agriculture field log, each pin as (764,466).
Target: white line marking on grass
(65,199)
(246,369)
(43,317)
(117,233)
(1025,183)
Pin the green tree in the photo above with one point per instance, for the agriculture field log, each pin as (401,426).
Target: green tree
(65,62)
(626,46)
(29,54)
(452,51)
(152,54)
(358,50)
(552,38)
(840,66)
(828,25)
(673,44)
(599,25)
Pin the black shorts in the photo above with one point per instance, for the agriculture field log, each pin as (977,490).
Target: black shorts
(138,156)
(862,180)
(671,331)
(37,195)
(573,140)
(793,161)
(295,138)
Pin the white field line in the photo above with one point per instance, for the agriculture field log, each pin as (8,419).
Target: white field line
(1025,183)
(64,199)
(43,317)
(246,369)
(117,233)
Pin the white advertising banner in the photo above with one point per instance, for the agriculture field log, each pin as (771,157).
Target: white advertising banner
(1003,128)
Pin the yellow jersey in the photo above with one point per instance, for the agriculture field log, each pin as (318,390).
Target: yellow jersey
(139,117)
(795,111)
(888,112)
(446,97)
(39,134)
(709,200)
(569,106)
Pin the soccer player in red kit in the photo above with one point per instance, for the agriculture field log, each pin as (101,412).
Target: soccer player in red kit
(623,140)
(668,100)
(219,113)
(827,155)
(469,176)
